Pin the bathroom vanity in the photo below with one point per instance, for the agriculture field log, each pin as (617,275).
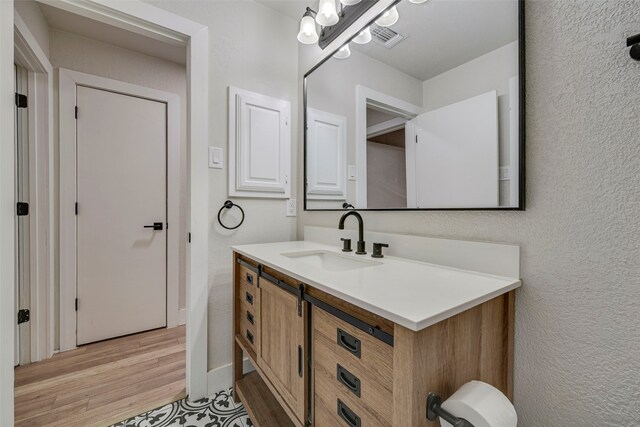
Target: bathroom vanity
(339,339)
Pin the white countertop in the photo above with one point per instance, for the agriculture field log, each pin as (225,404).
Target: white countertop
(410,293)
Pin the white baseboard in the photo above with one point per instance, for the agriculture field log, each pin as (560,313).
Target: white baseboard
(222,378)
(182,316)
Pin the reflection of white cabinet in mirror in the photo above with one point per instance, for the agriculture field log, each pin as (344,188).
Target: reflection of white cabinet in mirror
(326,155)
(259,145)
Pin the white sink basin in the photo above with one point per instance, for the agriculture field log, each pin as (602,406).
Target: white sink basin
(331,260)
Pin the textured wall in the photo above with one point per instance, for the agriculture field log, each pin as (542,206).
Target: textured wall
(578,316)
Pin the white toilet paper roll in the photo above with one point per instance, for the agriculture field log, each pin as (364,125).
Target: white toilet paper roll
(482,405)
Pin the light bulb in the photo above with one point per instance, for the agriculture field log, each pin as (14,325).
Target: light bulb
(350,2)
(327,14)
(388,18)
(343,53)
(364,37)
(308,33)
(417,1)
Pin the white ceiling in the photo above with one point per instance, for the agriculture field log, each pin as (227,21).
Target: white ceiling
(72,23)
(443,34)
(291,8)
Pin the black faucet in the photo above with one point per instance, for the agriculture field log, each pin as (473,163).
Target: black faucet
(360,247)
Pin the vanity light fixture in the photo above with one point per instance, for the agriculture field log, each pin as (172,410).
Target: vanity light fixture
(388,18)
(343,53)
(364,37)
(418,1)
(308,33)
(334,17)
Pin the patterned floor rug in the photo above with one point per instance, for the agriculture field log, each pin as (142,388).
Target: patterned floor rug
(215,411)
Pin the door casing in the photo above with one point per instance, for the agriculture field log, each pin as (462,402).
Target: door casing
(68,82)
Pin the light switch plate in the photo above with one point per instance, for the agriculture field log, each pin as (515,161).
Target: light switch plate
(215,157)
(291,207)
(351,172)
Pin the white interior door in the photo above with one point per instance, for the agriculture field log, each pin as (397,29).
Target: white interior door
(456,155)
(121,188)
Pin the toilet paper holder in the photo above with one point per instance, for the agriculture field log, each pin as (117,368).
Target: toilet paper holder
(435,410)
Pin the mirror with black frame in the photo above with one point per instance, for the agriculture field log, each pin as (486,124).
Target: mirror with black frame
(422,109)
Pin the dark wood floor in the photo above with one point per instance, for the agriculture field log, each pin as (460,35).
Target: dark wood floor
(102,383)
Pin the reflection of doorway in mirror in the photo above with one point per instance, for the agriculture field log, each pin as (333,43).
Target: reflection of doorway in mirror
(386,164)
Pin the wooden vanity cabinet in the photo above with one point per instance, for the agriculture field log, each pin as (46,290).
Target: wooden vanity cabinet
(323,362)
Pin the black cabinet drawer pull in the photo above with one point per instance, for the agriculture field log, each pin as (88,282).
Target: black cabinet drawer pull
(349,342)
(250,318)
(249,298)
(348,379)
(250,337)
(348,415)
(249,279)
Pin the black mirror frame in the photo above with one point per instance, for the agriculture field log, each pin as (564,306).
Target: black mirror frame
(521,124)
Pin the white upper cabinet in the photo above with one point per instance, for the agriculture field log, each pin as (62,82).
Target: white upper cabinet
(326,155)
(259,145)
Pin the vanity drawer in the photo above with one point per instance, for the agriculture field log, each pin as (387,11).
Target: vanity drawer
(248,323)
(248,294)
(335,406)
(354,349)
(248,276)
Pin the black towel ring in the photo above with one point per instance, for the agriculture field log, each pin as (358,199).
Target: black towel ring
(228,205)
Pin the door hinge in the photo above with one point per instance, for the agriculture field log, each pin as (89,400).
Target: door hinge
(416,139)
(22,208)
(23,315)
(76,304)
(21,100)
(189,237)
(75,208)
(76,112)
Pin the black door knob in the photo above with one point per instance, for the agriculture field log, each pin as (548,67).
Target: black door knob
(157,226)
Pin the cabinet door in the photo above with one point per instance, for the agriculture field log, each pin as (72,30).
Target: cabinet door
(281,353)
(326,155)
(259,145)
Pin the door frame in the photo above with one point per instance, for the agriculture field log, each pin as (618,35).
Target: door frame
(30,56)
(363,96)
(151,21)
(68,82)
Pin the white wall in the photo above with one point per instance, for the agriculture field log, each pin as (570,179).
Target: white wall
(255,48)
(577,323)
(488,72)
(101,59)
(33,18)
(332,88)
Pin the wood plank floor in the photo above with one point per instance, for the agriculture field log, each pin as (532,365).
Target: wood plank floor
(103,383)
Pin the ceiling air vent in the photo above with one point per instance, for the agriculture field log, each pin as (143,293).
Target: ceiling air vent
(386,36)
